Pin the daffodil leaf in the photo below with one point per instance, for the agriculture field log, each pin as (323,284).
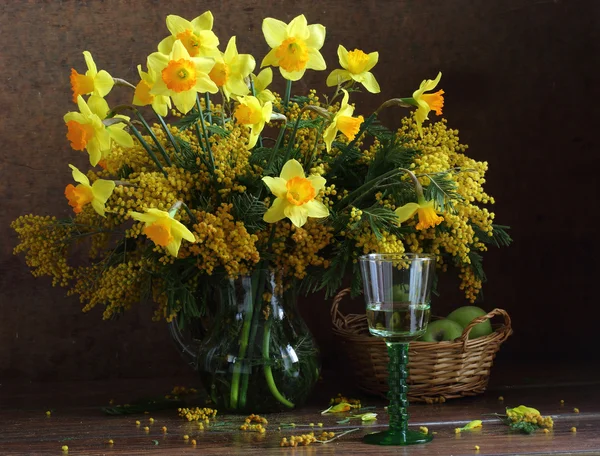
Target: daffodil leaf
(344,421)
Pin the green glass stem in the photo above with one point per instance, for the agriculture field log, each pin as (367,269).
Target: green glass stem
(398,432)
(398,375)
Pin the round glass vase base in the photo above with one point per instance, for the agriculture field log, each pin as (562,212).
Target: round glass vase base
(399,438)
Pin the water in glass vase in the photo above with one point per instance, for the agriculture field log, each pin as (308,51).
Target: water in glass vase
(398,321)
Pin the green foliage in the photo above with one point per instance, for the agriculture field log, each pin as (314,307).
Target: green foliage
(442,189)
(124,172)
(523,427)
(249,209)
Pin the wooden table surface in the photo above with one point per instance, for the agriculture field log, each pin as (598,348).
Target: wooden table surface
(78,422)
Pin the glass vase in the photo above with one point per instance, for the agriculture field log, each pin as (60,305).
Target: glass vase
(258,355)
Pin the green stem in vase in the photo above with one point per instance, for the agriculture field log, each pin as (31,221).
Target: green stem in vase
(258,284)
(267,367)
(235,379)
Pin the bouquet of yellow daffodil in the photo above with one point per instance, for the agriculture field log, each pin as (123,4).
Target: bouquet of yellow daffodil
(230,179)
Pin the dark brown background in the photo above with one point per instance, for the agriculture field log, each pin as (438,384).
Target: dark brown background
(521,87)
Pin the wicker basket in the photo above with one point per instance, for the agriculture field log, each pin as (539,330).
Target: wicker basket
(438,370)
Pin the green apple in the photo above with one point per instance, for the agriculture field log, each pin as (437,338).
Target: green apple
(466,314)
(400,293)
(439,330)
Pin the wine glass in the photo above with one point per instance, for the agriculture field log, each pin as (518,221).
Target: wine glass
(397,293)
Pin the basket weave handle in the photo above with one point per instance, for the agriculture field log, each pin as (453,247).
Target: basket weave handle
(338,319)
(506,329)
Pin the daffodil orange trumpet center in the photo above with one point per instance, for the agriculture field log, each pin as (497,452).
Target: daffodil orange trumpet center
(220,74)
(78,196)
(159,232)
(292,54)
(428,218)
(357,61)
(142,93)
(246,115)
(79,134)
(349,126)
(190,41)
(435,101)
(179,75)
(299,191)
(80,84)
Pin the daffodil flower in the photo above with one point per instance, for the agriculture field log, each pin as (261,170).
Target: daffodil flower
(181,76)
(251,113)
(231,69)
(261,82)
(356,66)
(472,425)
(295,46)
(197,36)
(338,408)
(93,81)
(143,96)
(425,102)
(295,195)
(163,229)
(87,131)
(96,194)
(425,210)
(344,122)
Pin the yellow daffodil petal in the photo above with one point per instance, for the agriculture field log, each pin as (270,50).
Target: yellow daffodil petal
(184,101)
(173,246)
(102,190)
(337,77)
(120,136)
(274,31)
(270,58)
(370,83)
(292,75)
(177,24)
(263,79)
(472,425)
(276,211)
(318,182)
(78,176)
(427,85)
(98,106)
(316,209)
(341,407)
(315,60)
(277,185)
(103,83)
(316,37)
(342,53)
(298,28)
(291,169)
(204,21)
(297,214)
(89,62)
(329,135)
(181,231)
(406,212)
(83,107)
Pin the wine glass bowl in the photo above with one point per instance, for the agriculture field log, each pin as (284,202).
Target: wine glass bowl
(397,290)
